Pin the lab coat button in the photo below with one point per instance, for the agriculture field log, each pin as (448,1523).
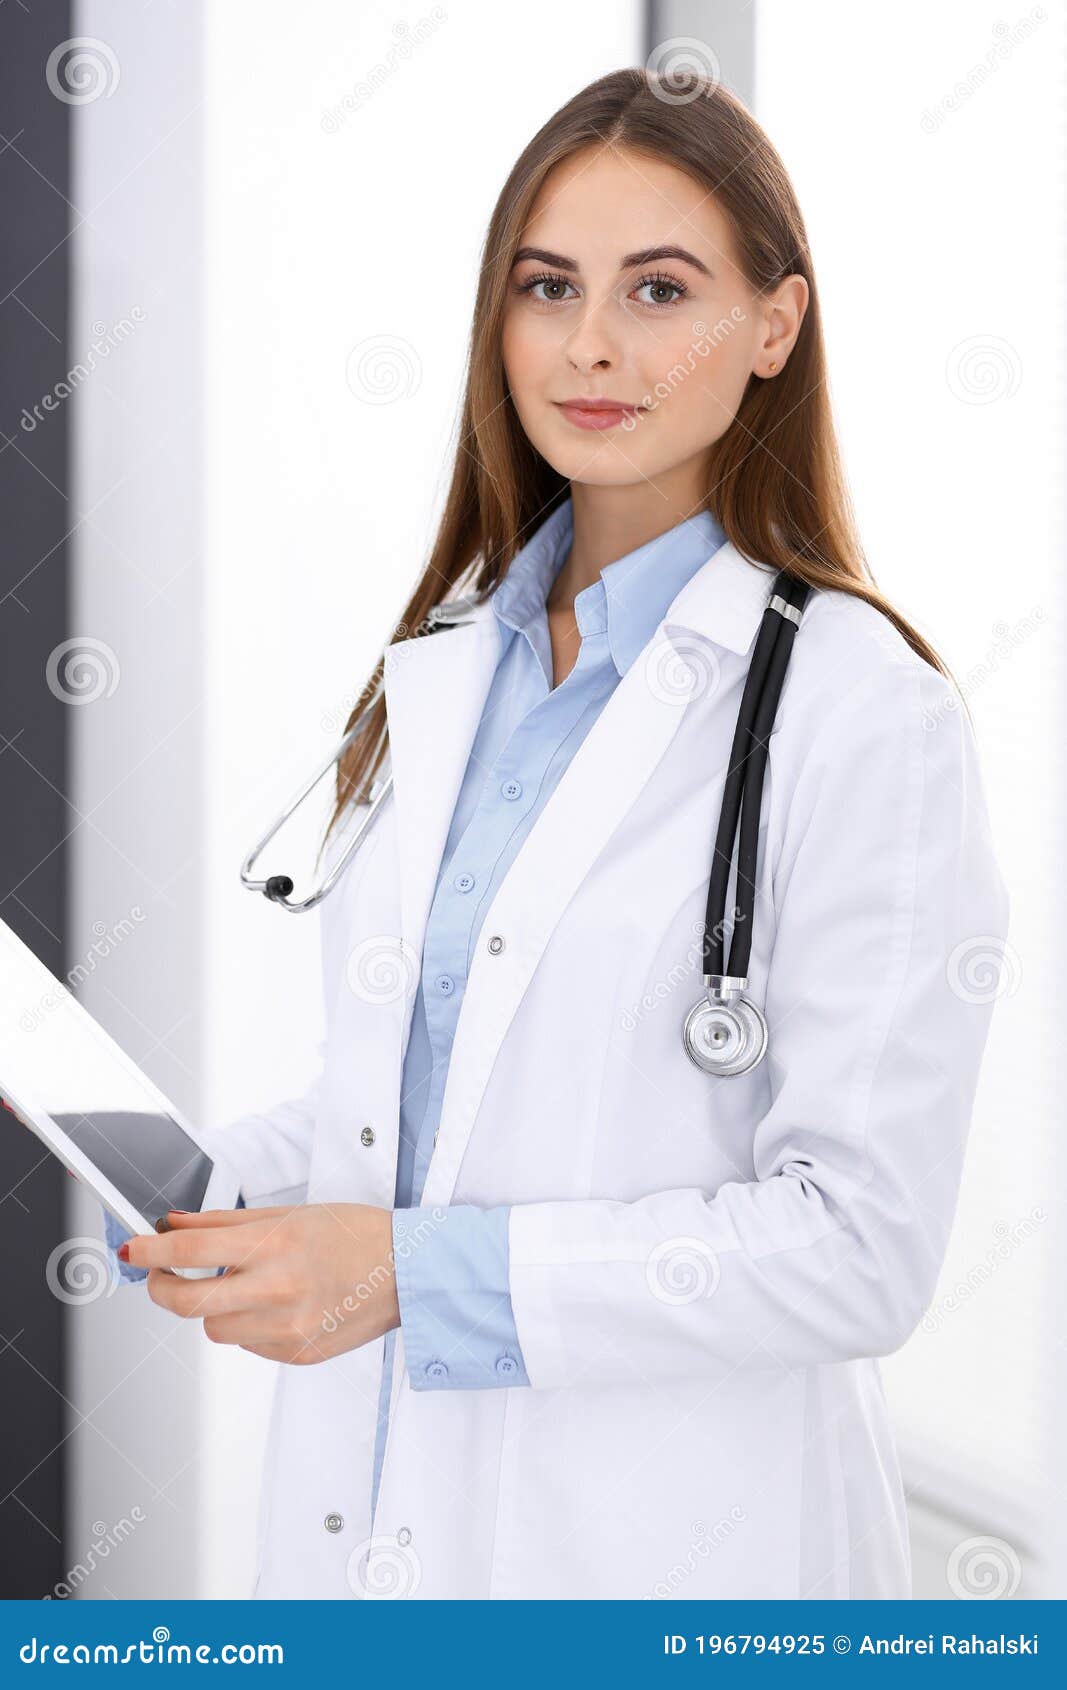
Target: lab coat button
(333,1523)
(403,1537)
(436,1370)
(506,1365)
(495,945)
(366,1137)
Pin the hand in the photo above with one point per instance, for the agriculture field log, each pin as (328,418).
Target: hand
(301,1284)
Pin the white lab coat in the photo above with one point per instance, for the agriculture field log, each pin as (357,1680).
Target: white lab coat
(703,1271)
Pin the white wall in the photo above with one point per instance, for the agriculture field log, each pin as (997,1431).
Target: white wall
(256,525)
(927,150)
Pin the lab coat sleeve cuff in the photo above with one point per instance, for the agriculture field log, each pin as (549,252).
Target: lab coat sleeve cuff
(115,1234)
(455,1303)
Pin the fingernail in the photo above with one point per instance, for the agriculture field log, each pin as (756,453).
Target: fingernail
(123,1252)
(179,1211)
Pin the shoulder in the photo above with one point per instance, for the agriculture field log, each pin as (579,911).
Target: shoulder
(848,655)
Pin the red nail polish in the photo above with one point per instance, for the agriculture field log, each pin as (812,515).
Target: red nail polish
(179,1211)
(123,1252)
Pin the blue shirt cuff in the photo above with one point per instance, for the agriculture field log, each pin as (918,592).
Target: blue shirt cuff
(115,1234)
(454,1292)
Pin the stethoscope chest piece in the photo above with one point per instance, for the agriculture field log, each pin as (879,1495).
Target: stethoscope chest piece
(724,1032)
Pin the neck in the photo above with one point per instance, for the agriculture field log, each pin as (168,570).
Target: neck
(610,522)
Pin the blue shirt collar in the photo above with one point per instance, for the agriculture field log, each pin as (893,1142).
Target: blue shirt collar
(633,593)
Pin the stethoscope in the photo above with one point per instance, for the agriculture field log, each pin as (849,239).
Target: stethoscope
(724,1033)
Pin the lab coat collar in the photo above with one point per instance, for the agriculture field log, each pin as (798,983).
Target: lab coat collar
(634,591)
(723,601)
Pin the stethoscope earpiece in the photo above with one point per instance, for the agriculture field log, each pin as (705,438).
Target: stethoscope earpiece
(724,1033)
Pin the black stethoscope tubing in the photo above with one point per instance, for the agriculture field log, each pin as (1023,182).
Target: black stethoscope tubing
(743,786)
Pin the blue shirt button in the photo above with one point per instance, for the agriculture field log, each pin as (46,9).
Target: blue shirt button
(445,984)
(436,1370)
(463,882)
(512,789)
(506,1365)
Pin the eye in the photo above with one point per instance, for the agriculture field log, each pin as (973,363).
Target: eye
(659,281)
(546,279)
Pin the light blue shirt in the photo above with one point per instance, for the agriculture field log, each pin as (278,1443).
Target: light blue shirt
(452,1274)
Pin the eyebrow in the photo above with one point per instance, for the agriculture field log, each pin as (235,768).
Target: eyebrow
(631,261)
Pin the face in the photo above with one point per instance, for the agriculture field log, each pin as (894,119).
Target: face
(626,289)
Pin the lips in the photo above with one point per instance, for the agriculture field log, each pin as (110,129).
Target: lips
(596,413)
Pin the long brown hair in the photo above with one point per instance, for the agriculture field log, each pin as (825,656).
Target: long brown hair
(780,494)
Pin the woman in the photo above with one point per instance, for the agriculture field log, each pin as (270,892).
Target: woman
(560,1314)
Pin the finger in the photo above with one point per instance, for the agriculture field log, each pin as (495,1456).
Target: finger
(178,1218)
(196,1299)
(215,1246)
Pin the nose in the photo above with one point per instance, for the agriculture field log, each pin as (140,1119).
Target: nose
(590,344)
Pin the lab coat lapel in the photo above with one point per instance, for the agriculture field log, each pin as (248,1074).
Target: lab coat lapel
(602,781)
(435,690)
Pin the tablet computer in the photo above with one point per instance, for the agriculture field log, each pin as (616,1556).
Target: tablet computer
(88,1102)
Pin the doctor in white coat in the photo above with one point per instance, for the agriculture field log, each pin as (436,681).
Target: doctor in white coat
(696,1274)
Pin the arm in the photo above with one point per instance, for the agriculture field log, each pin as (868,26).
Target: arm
(891,919)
